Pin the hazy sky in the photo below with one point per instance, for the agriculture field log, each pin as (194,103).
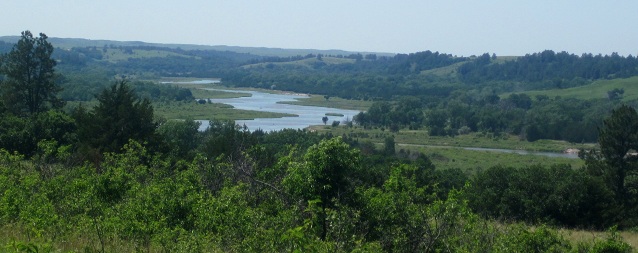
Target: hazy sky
(504,27)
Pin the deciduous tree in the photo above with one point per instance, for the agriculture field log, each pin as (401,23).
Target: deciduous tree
(324,175)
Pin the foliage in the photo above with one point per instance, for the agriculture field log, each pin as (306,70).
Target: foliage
(30,85)
(558,195)
(112,178)
(615,163)
(118,117)
(548,69)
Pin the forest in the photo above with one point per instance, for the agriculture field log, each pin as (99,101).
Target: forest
(86,164)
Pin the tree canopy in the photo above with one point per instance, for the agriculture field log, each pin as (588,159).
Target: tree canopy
(30,86)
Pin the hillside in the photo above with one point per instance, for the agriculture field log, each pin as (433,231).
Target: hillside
(67,43)
(595,90)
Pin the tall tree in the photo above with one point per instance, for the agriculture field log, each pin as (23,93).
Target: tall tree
(617,138)
(119,117)
(30,85)
(325,174)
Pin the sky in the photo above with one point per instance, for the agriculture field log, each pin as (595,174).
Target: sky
(463,28)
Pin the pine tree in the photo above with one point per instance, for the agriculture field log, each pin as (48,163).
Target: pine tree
(617,137)
(29,71)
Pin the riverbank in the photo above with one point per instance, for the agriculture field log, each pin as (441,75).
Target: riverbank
(207,111)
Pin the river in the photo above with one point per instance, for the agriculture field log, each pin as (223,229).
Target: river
(311,115)
(268,102)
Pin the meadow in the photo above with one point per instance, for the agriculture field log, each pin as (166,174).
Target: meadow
(184,110)
(332,102)
(595,90)
(447,152)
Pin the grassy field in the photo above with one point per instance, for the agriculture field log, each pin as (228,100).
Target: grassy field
(595,90)
(115,55)
(203,93)
(471,160)
(447,152)
(183,110)
(333,102)
(479,140)
(587,236)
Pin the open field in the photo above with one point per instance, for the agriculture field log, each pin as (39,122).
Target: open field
(182,110)
(447,152)
(193,110)
(115,55)
(595,90)
(201,92)
(333,102)
(472,160)
(479,140)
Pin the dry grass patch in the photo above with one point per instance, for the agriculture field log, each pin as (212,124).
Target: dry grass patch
(585,236)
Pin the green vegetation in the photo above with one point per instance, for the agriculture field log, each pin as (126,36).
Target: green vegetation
(595,90)
(479,140)
(205,93)
(470,161)
(117,54)
(333,102)
(308,63)
(118,177)
(183,110)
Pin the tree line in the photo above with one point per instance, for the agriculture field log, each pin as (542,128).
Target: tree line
(114,178)
(547,69)
(530,118)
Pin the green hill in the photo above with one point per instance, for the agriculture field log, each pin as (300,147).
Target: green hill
(68,43)
(595,90)
(309,63)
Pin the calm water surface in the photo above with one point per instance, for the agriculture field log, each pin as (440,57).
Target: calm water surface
(266,102)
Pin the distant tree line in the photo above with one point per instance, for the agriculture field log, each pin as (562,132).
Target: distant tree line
(530,118)
(548,69)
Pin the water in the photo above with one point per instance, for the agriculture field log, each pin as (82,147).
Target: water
(207,81)
(267,102)
(311,115)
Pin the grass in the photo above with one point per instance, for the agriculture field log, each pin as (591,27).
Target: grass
(332,102)
(183,110)
(447,152)
(587,236)
(203,93)
(14,238)
(471,160)
(115,55)
(595,90)
(479,140)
